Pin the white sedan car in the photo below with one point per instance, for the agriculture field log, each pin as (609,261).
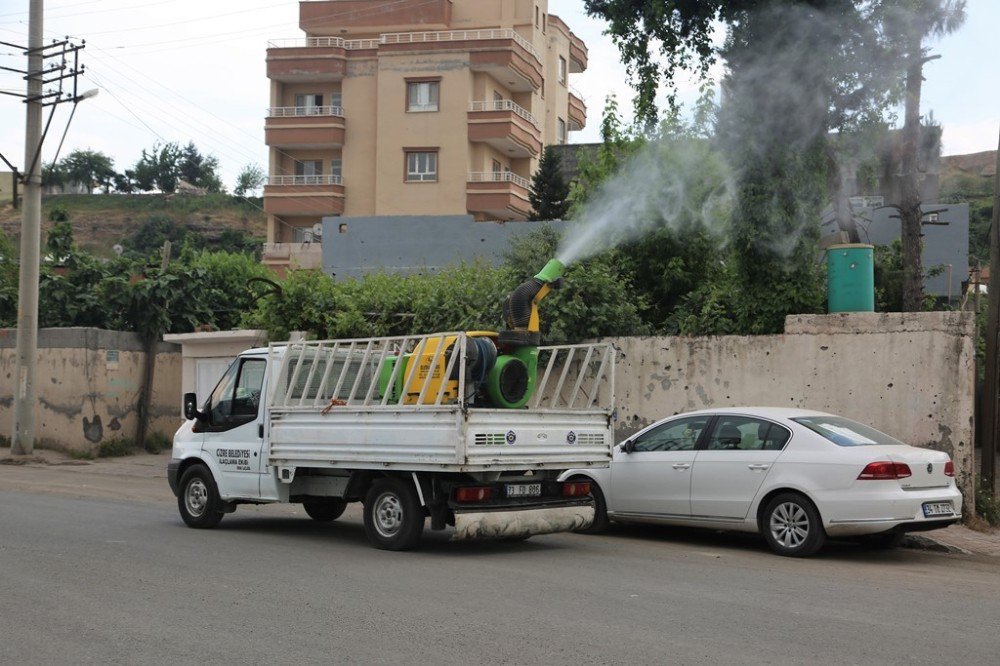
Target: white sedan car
(795,476)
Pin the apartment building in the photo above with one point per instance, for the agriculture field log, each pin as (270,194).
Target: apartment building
(412,107)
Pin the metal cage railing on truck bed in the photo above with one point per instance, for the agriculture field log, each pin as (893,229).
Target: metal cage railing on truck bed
(429,372)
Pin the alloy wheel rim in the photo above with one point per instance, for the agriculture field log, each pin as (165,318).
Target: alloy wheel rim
(388,515)
(789,525)
(196,497)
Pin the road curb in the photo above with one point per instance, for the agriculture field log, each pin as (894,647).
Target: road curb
(924,542)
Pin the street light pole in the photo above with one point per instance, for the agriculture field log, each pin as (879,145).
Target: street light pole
(23,432)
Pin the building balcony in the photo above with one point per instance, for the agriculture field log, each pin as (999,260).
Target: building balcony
(577,55)
(500,195)
(304,195)
(332,16)
(320,127)
(505,126)
(503,53)
(577,114)
(313,59)
(292,256)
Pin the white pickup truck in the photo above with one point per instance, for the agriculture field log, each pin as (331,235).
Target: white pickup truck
(404,426)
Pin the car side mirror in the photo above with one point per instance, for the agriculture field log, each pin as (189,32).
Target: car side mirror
(191,410)
(628,446)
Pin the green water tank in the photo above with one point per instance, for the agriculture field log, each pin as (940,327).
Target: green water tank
(850,273)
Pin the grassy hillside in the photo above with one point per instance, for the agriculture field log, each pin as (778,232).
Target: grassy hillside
(102,220)
(969,179)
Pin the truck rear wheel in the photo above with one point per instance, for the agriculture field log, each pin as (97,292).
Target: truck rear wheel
(394,519)
(326,510)
(198,499)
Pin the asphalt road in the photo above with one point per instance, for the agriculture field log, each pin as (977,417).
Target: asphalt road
(112,581)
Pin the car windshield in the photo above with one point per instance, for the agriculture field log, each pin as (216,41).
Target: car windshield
(845,432)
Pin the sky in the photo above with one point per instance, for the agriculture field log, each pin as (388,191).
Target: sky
(190,70)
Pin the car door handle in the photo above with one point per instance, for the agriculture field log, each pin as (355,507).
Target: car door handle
(681,465)
(757,467)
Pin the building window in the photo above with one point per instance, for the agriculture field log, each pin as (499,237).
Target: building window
(421,166)
(497,99)
(337,99)
(422,95)
(560,130)
(308,105)
(309,171)
(497,167)
(562,70)
(337,168)
(536,17)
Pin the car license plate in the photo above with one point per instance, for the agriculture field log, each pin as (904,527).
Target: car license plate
(937,509)
(524,489)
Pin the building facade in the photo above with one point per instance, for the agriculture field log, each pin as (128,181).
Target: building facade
(412,107)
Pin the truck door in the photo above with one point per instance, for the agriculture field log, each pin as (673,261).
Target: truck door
(234,431)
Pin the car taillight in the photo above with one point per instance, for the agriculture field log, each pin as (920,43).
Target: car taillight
(881,471)
(949,468)
(576,488)
(473,494)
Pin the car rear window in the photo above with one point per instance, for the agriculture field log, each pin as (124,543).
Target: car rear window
(845,432)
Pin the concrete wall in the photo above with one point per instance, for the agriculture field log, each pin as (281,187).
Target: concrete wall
(88,383)
(910,375)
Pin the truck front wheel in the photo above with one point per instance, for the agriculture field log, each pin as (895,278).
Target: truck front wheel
(198,499)
(394,519)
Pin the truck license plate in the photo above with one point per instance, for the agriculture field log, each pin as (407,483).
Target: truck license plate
(937,509)
(524,489)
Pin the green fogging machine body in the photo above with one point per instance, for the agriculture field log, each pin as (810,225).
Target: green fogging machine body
(502,366)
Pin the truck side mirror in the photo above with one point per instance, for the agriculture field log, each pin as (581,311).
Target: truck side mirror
(191,407)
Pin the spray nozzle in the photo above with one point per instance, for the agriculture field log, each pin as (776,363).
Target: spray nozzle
(552,272)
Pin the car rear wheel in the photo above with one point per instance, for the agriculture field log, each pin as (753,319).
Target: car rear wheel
(326,510)
(792,526)
(394,519)
(600,508)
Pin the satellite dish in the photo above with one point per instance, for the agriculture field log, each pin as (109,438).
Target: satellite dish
(317,231)
(117,249)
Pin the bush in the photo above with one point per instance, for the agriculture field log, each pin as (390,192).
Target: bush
(987,504)
(157,442)
(116,448)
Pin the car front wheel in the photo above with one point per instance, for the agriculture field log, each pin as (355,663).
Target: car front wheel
(792,526)
(600,508)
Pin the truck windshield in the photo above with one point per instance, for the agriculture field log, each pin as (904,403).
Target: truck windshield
(845,432)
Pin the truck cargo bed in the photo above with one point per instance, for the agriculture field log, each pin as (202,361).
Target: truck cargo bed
(329,410)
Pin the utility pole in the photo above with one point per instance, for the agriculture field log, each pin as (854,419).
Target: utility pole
(23,433)
(991,388)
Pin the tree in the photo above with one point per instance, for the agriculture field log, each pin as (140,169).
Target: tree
(796,70)
(910,23)
(199,170)
(158,168)
(250,180)
(90,168)
(549,194)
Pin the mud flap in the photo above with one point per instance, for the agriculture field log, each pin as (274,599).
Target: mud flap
(520,523)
